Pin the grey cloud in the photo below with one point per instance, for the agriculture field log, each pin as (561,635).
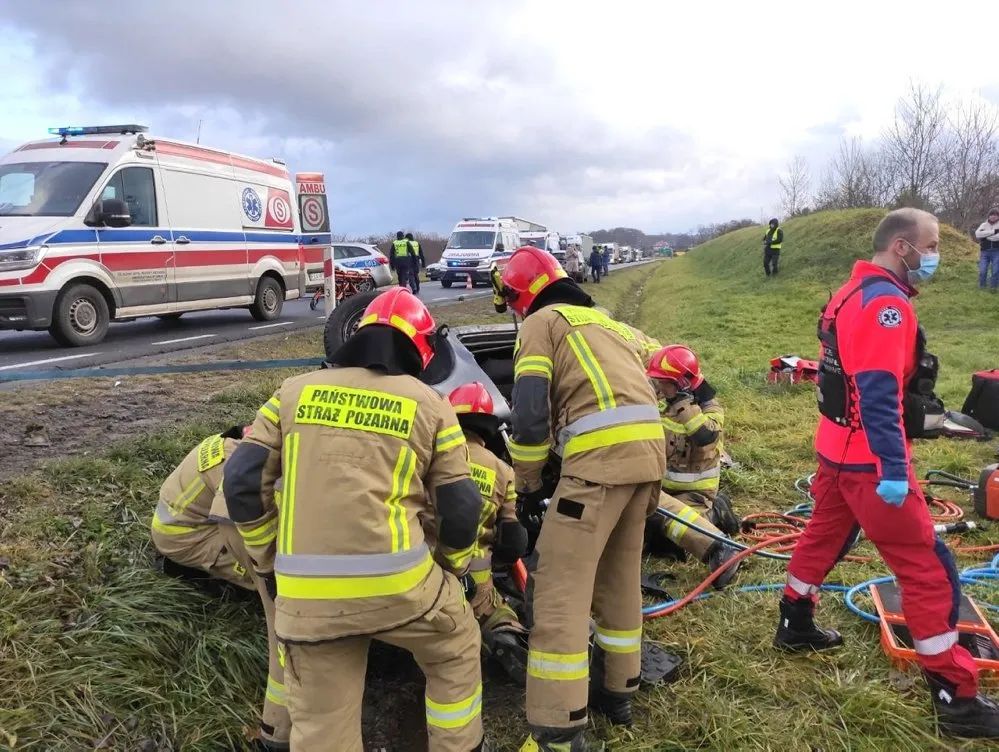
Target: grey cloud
(417,112)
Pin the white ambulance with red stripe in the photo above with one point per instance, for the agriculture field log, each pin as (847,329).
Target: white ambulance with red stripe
(108,224)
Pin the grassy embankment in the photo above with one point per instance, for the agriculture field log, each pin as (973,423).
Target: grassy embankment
(93,644)
(96,649)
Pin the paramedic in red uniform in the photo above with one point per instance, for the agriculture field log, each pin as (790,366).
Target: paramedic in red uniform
(865,480)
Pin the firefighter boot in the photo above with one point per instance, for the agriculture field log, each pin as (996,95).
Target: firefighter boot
(717,557)
(965,717)
(615,707)
(560,740)
(797,630)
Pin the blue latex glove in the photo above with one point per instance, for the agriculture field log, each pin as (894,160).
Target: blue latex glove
(893,491)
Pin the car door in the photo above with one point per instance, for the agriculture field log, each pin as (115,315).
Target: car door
(140,257)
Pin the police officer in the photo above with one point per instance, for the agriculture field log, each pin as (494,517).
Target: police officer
(694,420)
(359,447)
(400,256)
(502,539)
(872,348)
(417,262)
(184,528)
(577,378)
(773,238)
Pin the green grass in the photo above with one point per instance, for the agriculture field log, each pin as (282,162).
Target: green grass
(98,650)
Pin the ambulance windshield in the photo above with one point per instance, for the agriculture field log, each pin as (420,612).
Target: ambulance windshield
(46,189)
(471,240)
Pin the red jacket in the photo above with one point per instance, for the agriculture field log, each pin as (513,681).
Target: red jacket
(876,332)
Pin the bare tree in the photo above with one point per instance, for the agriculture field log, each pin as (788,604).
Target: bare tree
(794,187)
(970,164)
(913,144)
(847,183)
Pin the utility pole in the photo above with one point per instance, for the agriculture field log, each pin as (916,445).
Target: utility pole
(198,139)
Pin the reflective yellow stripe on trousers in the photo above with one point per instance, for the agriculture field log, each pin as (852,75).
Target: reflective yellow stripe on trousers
(558,666)
(452,715)
(618,640)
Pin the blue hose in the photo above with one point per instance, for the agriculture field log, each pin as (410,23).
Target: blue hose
(984,575)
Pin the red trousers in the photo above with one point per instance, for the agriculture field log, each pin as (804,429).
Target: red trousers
(846,502)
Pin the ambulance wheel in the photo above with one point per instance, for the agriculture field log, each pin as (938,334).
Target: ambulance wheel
(80,317)
(342,323)
(269,300)
(445,283)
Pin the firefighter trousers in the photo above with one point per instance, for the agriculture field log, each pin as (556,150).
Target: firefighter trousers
(689,507)
(489,607)
(206,548)
(275,724)
(589,555)
(846,502)
(325,680)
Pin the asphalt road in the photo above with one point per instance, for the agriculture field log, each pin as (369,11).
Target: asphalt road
(150,336)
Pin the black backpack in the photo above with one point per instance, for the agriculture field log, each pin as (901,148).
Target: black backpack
(982,403)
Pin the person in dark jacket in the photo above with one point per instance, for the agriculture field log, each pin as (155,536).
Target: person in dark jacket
(772,240)
(596,264)
(417,260)
(606,260)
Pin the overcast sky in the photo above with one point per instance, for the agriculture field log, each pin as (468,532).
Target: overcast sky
(656,115)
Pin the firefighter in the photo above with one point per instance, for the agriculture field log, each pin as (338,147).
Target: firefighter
(417,262)
(576,378)
(400,256)
(773,238)
(874,380)
(502,539)
(359,447)
(183,527)
(693,420)
(275,723)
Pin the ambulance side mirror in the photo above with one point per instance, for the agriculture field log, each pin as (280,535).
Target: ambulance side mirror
(109,212)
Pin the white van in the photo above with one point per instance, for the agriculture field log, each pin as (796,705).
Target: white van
(106,224)
(475,246)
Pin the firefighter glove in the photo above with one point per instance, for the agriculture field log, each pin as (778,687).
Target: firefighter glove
(893,491)
(529,507)
(468,585)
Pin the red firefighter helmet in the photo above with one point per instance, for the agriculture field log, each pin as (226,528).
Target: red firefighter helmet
(401,310)
(471,398)
(678,364)
(529,271)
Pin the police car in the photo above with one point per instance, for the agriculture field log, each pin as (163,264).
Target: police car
(363,257)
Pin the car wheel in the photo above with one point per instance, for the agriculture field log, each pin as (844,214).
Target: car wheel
(445,283)
(81,316)
(342,323)
(269,300)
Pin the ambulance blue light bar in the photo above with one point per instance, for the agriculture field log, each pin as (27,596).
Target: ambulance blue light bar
(93,130)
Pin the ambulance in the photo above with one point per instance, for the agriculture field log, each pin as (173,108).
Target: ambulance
(106,223)
(475,246)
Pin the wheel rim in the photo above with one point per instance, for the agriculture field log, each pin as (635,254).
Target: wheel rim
(367,285)
(83,316)
(270,300)
(350,325)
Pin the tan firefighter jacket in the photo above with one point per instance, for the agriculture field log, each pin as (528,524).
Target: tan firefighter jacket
(580,389)
(694,445)
(185,505)
(494,479)
(358,452)
(647,346)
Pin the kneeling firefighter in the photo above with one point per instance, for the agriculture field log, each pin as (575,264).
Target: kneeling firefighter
(183,527)
(693,420)
(577,378)
(359,446)
(502,539)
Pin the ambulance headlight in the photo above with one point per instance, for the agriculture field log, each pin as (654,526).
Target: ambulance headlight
(20,258)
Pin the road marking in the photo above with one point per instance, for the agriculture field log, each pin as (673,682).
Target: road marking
(269,326)
(183,339)
(321,317)
(47,360)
